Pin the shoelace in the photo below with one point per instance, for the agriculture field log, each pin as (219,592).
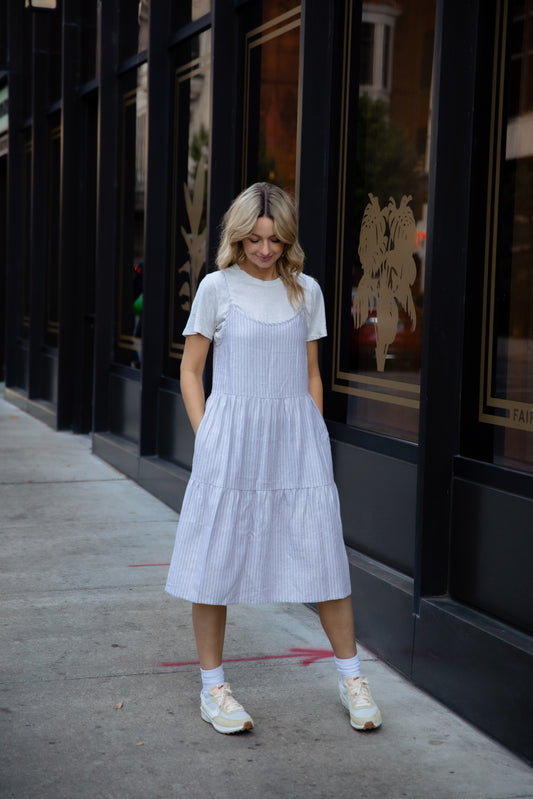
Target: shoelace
(359,691)
(225,699)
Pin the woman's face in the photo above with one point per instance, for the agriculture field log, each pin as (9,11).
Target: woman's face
(262,249)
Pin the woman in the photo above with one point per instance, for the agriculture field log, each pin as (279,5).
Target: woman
(260,520)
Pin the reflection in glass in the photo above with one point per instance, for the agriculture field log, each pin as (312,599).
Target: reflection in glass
(376,50)
(186,11)
(508,377)
(128,347)
(188,231)
(381,246)
(134,27)
(270,150)
(366,74)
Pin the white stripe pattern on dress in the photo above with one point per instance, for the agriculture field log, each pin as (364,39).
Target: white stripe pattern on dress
(260,520)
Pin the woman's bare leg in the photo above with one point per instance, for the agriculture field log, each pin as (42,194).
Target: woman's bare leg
(209,624)
(336,617)
(337,620)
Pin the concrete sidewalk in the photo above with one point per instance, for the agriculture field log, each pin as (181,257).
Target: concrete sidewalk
(89,709)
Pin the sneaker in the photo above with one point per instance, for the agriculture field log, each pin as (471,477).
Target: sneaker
(356,697)
(223,711)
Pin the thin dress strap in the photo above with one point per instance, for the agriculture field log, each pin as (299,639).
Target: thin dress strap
(230,298)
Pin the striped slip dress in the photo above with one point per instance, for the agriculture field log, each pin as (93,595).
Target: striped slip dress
(260,519)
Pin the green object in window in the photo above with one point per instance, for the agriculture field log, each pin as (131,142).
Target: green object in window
(138,305)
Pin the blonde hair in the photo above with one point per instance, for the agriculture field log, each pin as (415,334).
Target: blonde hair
(264,199)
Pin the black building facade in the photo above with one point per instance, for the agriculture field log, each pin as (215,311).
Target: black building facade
(404,129)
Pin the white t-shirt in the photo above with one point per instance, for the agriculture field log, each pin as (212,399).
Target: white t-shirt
(263,300)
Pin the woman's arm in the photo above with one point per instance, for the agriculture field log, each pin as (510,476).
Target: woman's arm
(313,371)
(191,373)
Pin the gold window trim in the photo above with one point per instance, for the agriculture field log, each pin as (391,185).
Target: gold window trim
(506,413)
(361,385)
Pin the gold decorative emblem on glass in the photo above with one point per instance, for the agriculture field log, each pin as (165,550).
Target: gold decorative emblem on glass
(386,245)
(195,239)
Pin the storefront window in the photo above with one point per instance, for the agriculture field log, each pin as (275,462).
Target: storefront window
(190,126)
(506,397)
(270,133)
(385,131)
(133,133)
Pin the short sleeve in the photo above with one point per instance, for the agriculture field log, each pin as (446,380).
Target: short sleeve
(204,315)
(316,312)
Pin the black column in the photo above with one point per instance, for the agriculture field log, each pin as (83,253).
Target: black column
(447,237)
(69,303)
(106,225)
(14,192)
(314,203)
(39,183)
(322,31)
(223,180)
(155,258)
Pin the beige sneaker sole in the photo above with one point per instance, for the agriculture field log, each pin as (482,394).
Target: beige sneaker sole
(231,728)
(362,724)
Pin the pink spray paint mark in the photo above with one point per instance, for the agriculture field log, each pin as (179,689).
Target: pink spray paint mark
(307,658)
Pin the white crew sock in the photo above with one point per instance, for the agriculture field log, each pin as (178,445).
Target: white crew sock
(348,667)
(210,678)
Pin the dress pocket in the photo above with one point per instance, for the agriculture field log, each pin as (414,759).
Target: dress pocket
(201,429)
(319,419)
